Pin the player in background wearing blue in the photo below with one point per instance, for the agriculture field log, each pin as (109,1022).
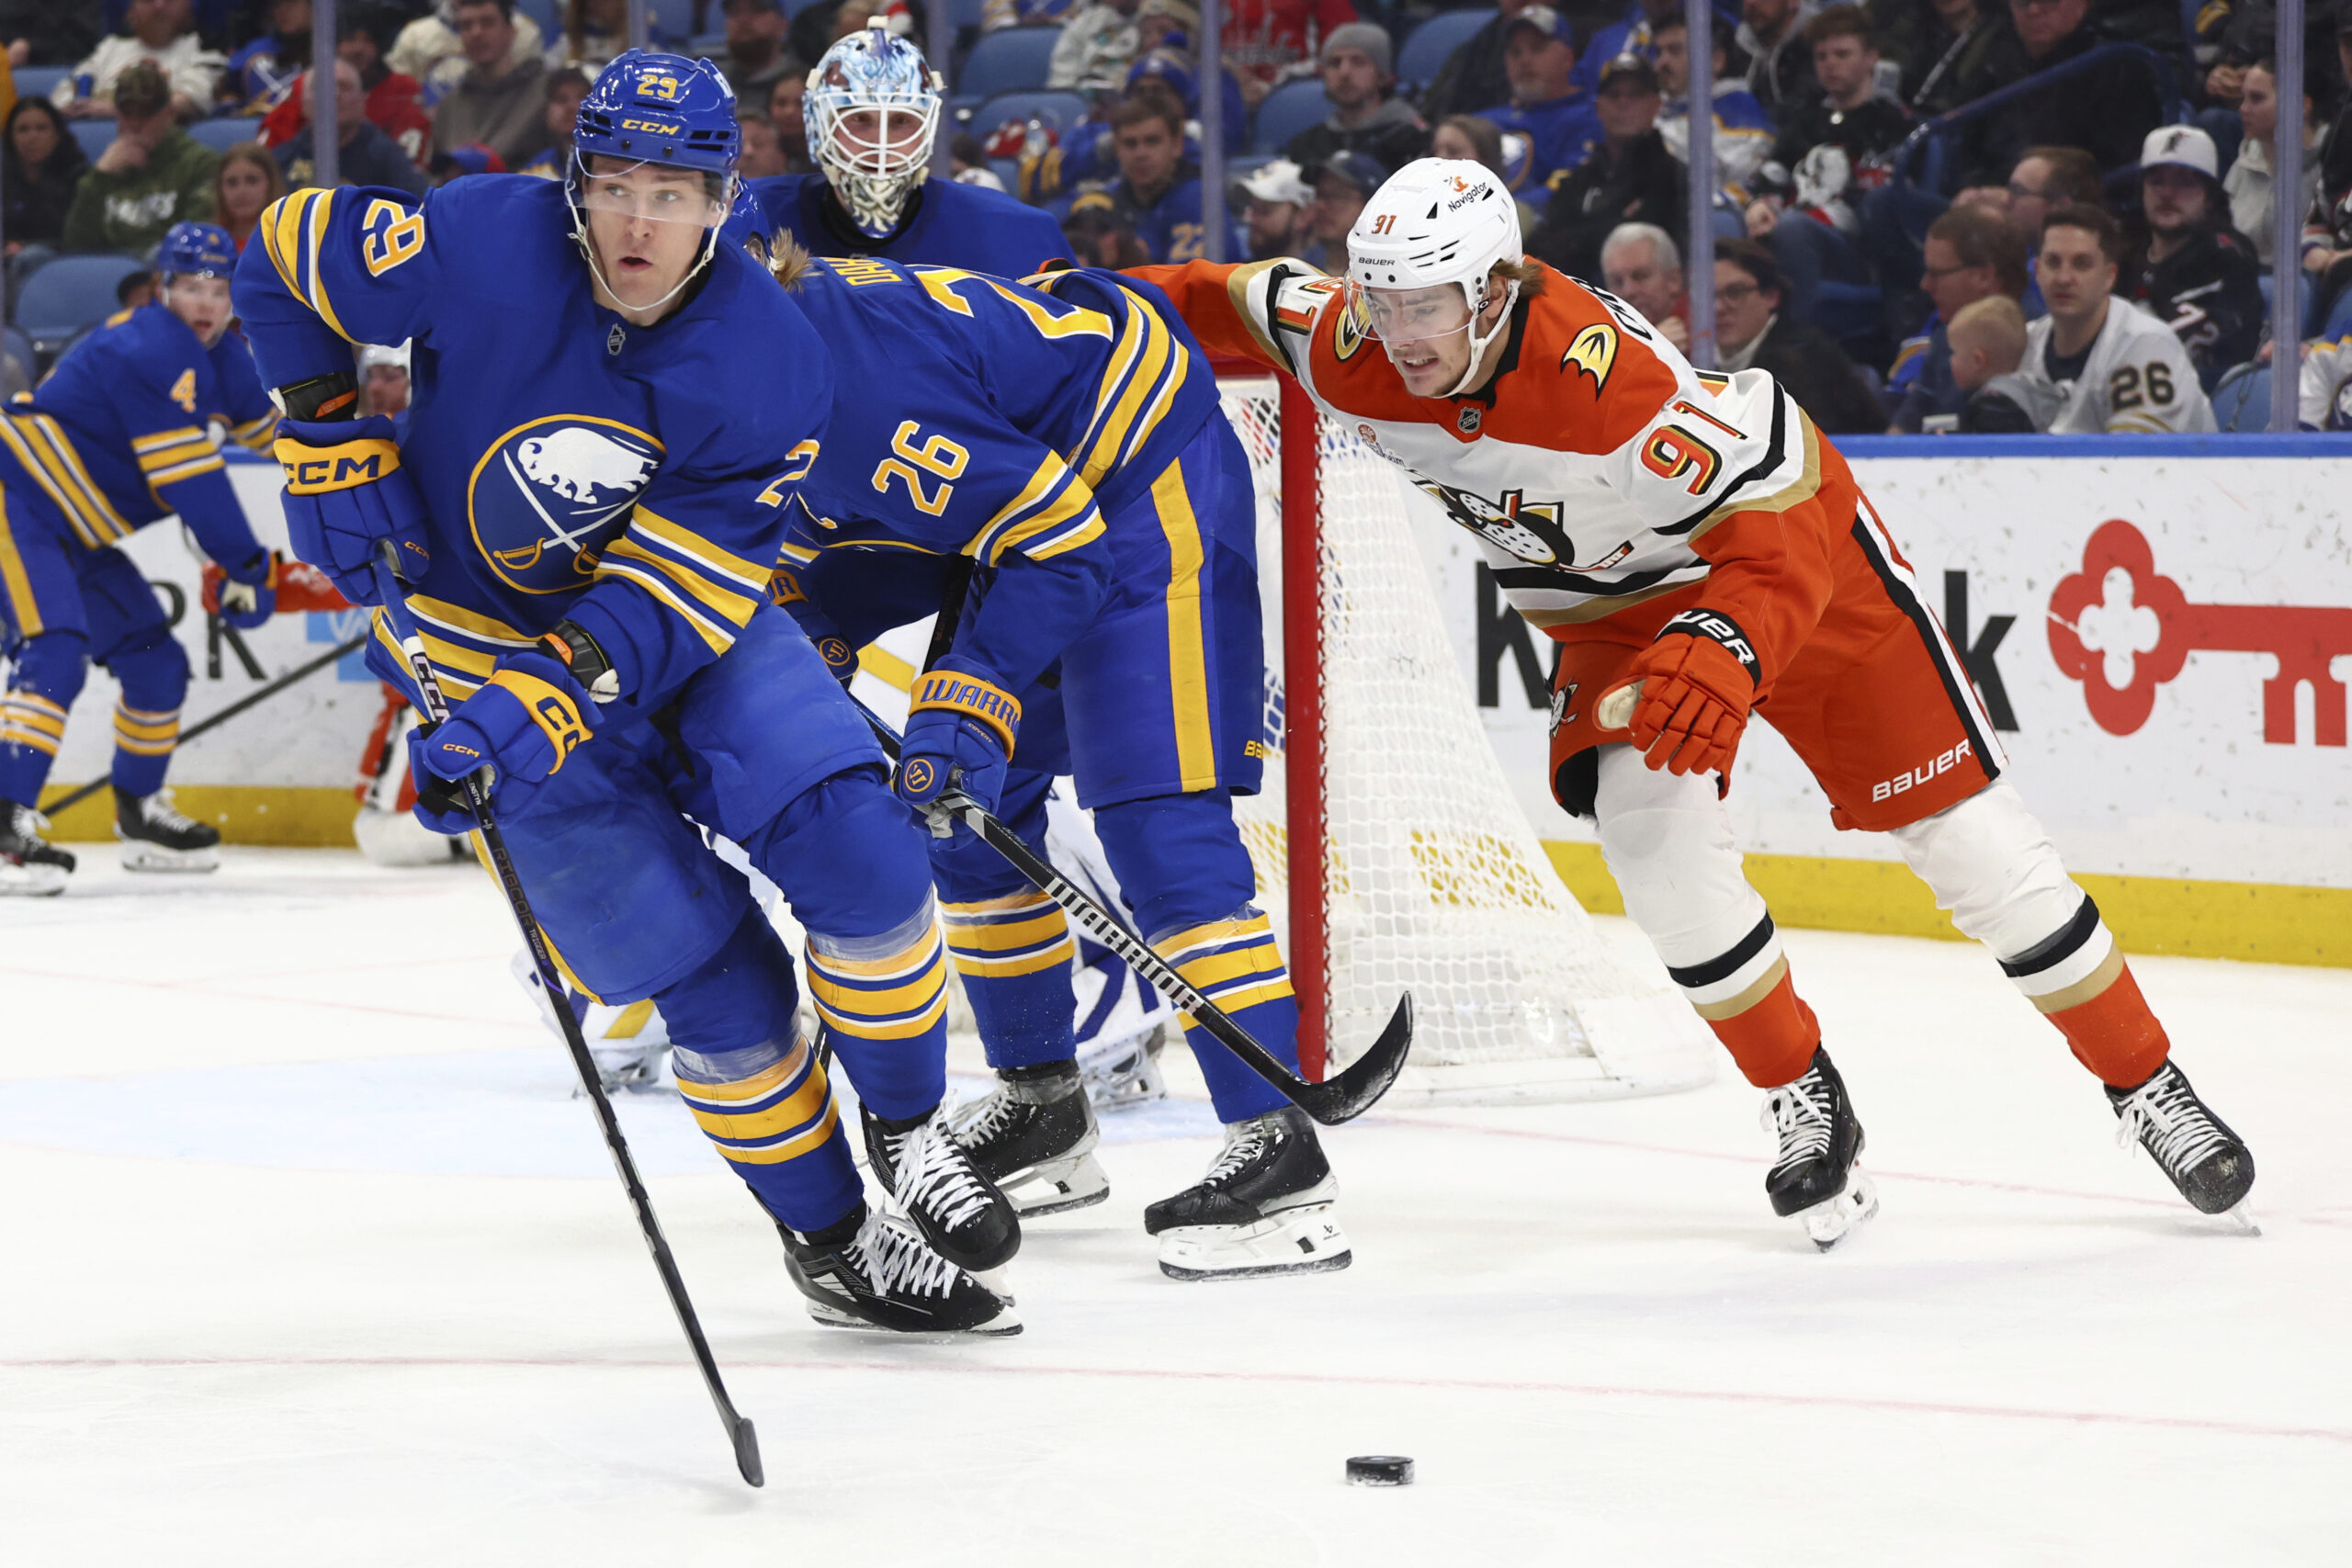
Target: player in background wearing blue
(610,409)
(1067,439)
(873,109)
(117,437)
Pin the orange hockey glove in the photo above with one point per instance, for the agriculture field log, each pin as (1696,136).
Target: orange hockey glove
(1689,692)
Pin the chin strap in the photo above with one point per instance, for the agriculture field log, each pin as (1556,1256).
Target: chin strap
(588,251)
(1478,345)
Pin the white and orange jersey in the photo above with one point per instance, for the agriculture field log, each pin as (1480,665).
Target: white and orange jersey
(1604,478)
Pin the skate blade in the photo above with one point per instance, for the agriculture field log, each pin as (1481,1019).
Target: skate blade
(1833,1220)
(1305,1240)
(1057,1186)
(31,881)
(2242,1216)
(154,858)
(1003,1325)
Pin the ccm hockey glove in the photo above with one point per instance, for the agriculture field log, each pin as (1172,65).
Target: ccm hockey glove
(247,598)
(345,494)
(960,729)
(1691,690)
(521,725)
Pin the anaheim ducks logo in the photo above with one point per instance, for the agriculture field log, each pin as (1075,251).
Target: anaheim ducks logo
(1594,351)
(1530,531)
(548,496)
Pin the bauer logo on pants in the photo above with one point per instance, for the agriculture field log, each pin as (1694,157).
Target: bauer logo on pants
(550,494)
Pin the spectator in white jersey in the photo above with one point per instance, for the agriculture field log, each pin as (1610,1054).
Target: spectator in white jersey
(2094,363)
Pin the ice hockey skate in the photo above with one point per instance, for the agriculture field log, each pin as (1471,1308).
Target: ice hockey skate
(1813,1180)
(1263,1208)
(953,1202)
(1034,1135)
(630,1043)
(2193,1147)
(31,866)
(872,1270)
(156,837)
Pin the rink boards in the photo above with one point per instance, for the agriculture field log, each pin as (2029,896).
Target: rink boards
(2161,627)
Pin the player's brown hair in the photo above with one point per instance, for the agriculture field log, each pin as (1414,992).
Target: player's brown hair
(1981,239)
(1527,272)
(788,260)
(2097,221)
(1840,21)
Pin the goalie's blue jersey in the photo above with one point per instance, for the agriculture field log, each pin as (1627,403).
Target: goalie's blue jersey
(631,479)
(953,225)
(119,434)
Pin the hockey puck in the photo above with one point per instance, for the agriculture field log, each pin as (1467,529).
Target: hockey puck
(1380,1470)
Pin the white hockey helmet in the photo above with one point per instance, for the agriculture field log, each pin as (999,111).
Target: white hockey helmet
(875,163)
(1438,223)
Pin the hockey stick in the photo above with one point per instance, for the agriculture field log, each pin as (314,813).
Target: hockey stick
(1332,1102)
(225,714)
(739,1429)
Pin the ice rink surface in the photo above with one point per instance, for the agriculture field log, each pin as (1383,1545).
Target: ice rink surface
(310,1259)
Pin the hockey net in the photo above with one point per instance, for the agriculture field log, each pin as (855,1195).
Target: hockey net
(1386,832)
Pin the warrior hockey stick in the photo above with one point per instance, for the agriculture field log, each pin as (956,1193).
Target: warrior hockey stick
(1332,1102)
(739,1429)
(301,672)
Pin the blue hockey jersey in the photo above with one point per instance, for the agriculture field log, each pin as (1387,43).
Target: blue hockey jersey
(631,479)
(118,435)
(953,225)
(996,421)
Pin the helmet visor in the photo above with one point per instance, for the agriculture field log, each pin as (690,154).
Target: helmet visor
(1410,315)
(651,193)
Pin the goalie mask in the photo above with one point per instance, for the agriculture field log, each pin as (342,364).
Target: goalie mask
(656,143)
(873,109)
(1419,255)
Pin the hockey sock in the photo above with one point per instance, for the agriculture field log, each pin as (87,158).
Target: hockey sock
(45,677)
(883,1001)
(1772,1037)
(147,717)
(2112,1031)
(759,1094)
(1013,954)
(1235,965)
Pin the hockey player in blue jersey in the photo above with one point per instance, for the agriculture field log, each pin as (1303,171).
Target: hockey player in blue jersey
(116,438)
(1067,440)
(610,412)
(873,108)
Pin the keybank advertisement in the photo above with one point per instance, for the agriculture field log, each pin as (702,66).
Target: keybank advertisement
(2163,643)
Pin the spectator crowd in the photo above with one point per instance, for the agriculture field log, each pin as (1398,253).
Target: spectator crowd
(1889,176)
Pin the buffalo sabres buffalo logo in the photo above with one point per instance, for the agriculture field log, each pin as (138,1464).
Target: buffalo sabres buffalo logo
(547,499)
(1594,351)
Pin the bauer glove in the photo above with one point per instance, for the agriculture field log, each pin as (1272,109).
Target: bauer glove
(524,721)
(960,729)
(346,493)
(248,597)
(841,658)
(1691,690)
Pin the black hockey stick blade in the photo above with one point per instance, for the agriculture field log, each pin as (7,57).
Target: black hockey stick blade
(746,1453)
(1358,1087)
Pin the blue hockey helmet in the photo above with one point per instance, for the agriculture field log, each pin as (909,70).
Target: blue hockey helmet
(661,109)
(200,250)
(873,107)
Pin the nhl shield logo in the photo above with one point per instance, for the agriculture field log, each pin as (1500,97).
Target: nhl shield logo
(547,499)
(1468,420)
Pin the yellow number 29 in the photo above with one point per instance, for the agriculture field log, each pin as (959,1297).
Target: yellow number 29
(938,455)
(401,236)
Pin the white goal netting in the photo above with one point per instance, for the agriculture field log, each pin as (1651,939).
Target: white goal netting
(1434,880)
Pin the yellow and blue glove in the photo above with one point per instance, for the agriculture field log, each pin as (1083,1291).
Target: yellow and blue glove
(345,494)
(528,717)
(961,725)
(245,597)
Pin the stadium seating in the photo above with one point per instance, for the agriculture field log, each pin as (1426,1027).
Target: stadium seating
(1060,111)
(39,81)
(1011,61)
(2241,400)
(94,135)
(1288,109)
(225,133)
(69,294)
(1426,50)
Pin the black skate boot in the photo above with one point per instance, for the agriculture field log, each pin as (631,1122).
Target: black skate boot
(31,866)
(2209,1164)
(155,836)
(958,1209)
(1264,1207)
(873,1271)
(1815,1181)
(1034,1135)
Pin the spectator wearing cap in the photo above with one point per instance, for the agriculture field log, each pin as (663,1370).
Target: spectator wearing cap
(567,90)
(156,33)
(1743,132)
(1779,62)
(2249,177)
(260,73)
(1168,63)
(364,156)
(1359,76)
(1548,127)
(1972,254)
(1640,264)
(1628,178)
(152,176)
(429,49)
(499,102)
(383,380)
(2107,109)
(2194,272)
(1270,41)
(1098,43)
(756,56)
(49,32)
(1473,76)
(1158,193)
(1751,329)
(1341,187)
(1272,200)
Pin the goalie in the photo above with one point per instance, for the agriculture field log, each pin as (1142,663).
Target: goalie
(1701,553)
